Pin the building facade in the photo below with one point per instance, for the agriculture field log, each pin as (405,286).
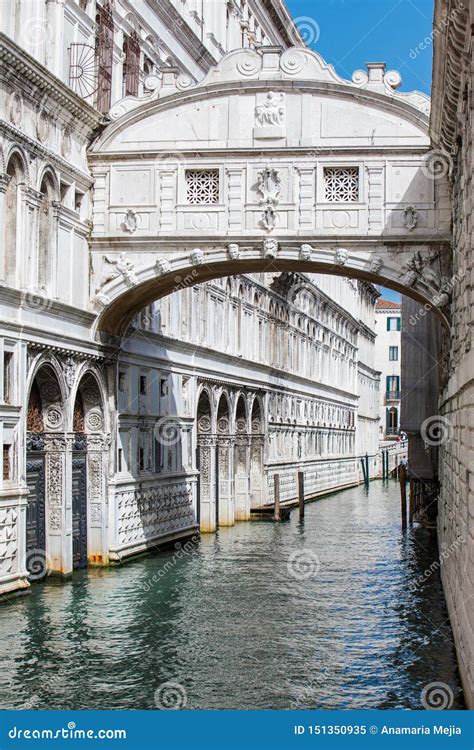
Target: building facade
(451,132)
(109,450)
(388,323)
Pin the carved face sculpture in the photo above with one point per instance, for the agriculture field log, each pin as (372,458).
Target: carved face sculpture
(305,252)
(376,264)
(270,248)
(341,257)
(162,266)
(233,250)
(197,256)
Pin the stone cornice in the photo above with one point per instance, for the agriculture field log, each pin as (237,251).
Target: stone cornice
(280,17)
(182,32)
(16,61)
(452,29)
(35,147)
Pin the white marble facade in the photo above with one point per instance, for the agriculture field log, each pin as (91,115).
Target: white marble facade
(247,171)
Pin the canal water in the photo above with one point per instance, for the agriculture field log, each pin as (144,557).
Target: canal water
(332,612)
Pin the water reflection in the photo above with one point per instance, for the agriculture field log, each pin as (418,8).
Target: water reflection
(238,626)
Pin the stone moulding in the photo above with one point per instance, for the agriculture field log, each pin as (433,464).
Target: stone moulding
(296,63)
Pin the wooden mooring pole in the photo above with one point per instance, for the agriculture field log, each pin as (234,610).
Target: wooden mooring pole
(403,493)
(301,493)
(276,486)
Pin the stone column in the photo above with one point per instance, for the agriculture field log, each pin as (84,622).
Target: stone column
(97,462)
(225,480)
(242,485)
(207,484)
(58,457)
(28,271)
(256,470)
(4,180)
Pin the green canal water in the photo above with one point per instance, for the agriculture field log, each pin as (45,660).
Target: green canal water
(322,613)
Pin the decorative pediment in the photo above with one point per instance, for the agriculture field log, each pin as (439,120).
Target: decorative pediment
(251,96)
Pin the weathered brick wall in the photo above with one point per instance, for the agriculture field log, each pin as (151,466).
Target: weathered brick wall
(456,470)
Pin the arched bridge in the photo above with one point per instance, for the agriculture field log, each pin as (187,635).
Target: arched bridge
(272,162)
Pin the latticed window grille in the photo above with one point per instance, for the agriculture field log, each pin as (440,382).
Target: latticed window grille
(202,186)
(341,184)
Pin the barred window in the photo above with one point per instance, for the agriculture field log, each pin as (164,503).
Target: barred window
(202,186)
(341,184)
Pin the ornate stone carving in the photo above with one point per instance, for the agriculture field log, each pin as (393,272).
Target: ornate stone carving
(15,108)
(162,266)
(124,267)
(272,112)
(269,185)
(53,418)
(341,256)
(69,365)
(43,124)
(305,252)
(270,247)
(197,257)
(130,223)
(410,218)
(419,273)
(94,420)
(233,251)
(376,264)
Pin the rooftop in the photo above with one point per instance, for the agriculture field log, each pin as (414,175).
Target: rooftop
(386,304)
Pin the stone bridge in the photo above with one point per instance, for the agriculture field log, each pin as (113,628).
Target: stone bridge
(272,162)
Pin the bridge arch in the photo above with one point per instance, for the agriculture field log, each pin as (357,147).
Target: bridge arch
(272,163)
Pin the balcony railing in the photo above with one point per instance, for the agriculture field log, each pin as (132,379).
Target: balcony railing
(392,395)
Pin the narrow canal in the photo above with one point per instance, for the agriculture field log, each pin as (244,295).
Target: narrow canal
(316,614)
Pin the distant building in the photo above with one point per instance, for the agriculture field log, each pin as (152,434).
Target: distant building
(388,321)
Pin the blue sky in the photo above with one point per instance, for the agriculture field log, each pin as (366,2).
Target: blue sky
(350,33)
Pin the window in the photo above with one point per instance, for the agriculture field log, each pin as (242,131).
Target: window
(393,353)
(131,65)
(143,385)
(393,324)
(104,55)
(202,186)
(6,461)
(141,459)
(120,460)
(393,386)
(341,184)
(7,377)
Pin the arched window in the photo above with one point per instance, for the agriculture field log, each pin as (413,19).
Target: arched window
(46,233)
(12,217)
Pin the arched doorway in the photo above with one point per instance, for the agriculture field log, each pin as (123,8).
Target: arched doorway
(256,455)
(79,486)
(206,506)
(241,462)
(12,225)
(224,469)
(89,474)
(45,548)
